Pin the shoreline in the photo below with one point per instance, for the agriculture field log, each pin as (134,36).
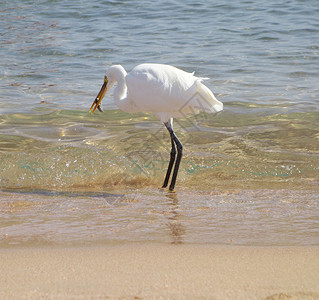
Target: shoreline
(152,271)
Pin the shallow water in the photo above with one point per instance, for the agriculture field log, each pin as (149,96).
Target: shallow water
(234,217)
(249,174)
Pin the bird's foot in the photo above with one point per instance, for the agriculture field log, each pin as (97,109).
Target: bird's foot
(171,189)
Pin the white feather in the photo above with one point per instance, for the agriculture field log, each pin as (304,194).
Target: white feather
(163,90)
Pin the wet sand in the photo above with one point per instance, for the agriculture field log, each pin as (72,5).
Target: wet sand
(159,271)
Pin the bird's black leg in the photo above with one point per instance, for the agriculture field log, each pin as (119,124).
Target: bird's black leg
(173,154)
(179,146)
(178,160)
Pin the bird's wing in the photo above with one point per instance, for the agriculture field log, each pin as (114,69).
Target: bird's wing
(163,88)
(158,81)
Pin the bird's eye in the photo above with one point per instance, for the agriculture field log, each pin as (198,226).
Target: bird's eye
(105,79)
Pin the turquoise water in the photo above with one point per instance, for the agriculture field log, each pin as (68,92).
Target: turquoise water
(260,155)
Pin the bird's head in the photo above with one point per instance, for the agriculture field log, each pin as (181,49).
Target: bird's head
(111,76)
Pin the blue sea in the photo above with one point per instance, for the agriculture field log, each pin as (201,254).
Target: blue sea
(249,175)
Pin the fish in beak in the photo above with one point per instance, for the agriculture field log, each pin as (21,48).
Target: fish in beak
(97,102)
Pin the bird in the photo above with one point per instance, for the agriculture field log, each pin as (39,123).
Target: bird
(164,90)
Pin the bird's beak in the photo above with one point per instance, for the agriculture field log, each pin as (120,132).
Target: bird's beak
(97,102)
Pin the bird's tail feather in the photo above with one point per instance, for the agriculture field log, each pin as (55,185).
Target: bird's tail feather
(206,101)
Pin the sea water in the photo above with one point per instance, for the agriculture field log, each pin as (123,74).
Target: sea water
(249,175)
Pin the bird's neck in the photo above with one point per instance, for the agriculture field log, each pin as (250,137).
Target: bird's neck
(120,92)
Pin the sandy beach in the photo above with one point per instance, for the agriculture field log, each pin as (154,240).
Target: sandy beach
(159,271)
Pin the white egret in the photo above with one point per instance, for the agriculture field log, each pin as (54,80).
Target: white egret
(164,90)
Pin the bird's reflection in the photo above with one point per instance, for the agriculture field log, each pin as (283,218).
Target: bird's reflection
(174,220)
